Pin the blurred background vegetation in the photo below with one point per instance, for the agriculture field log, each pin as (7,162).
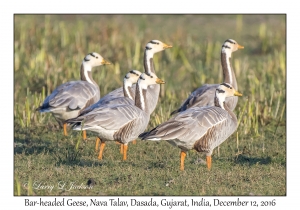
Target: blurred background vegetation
(48,51)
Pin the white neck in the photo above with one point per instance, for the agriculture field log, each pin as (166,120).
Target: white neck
(86,73)
(139,96)
(127,84)
(219,100)
(228,74)
(87,68)
(148,61)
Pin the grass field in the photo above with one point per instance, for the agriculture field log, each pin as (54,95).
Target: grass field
(48,50)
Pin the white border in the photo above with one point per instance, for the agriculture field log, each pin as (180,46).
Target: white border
(9,8)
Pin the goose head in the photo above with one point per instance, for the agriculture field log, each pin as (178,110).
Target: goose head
(132,77)
(155,46)
(149,79)
(230,46)
(225,90)
(92,60)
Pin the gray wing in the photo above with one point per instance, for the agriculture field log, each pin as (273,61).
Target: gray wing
(72,95)
(127,120)
(111,102)
(212,123)
(115,96)
(204,96)
(152,96)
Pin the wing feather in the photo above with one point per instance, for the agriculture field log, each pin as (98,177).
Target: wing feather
(191,125)
(72,95)
(204,96)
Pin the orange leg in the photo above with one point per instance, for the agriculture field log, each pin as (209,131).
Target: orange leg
(182,157)
(134,142)
(97,144)
(102,145)
(121,148)
(84,135)
(65,129)
(125,151)
(208,162)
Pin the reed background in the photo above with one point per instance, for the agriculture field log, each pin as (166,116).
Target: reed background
(48,50)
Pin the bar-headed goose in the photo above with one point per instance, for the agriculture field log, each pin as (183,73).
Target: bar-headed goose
(68,99)
(199,128)
(204,95)
(121,123)
(152,47)
(128,98)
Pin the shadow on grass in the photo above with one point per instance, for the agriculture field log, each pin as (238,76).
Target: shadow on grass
(243,159)
(30,147)
(155,165)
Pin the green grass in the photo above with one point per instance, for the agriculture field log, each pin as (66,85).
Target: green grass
(48,51)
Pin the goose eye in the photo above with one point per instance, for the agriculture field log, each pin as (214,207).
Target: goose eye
(97,57)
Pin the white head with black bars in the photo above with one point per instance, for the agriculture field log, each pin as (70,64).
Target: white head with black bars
(132,77)
(155,46)
(92,60)
(149,79)
(230,46)
(223,91)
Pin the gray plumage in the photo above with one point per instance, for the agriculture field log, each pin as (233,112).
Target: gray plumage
(67,100)
(152,95)
(199,128)
(122,123)
(185,129)
(204,95)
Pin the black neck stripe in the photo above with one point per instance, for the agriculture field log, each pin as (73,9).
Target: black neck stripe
(225,46)
(220,91)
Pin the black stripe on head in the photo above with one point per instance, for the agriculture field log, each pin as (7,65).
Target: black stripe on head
(220,91)
(226,85)
(153,42)
(225,46)
(230,41)
(126,77)
(85,59)
(92,55)
(141,77)
(148,48)
(132,72)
